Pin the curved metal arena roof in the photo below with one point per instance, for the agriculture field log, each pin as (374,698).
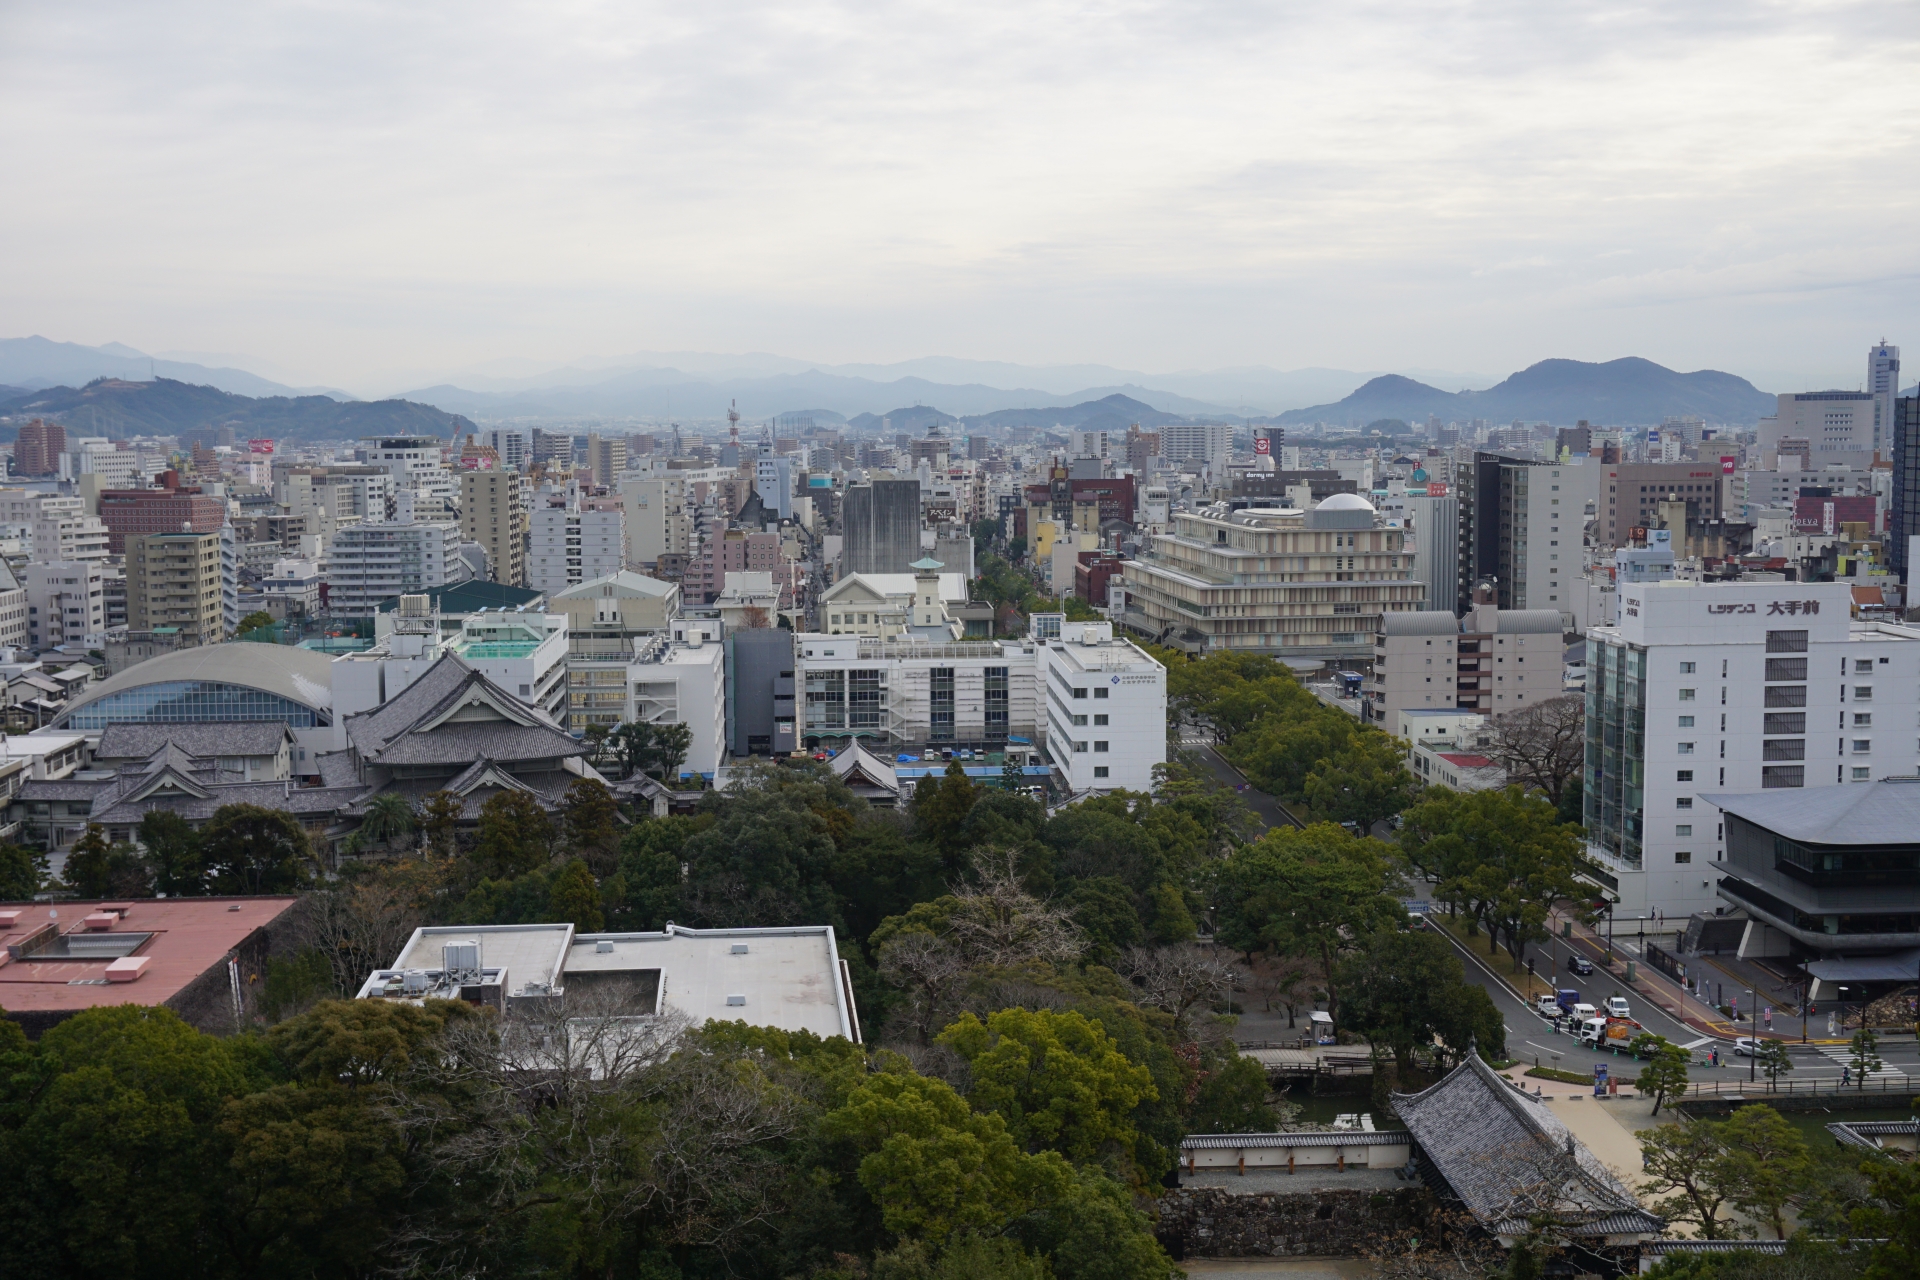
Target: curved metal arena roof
(298,675)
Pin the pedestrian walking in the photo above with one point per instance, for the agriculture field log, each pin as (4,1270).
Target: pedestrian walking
(1846,1075)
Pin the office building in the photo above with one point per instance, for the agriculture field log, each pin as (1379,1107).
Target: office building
(13,610)
(1629,495)
(1828,876)
(66,603)
(773,481)
(1488,661)
(760,691)
(1303,585)
(1433,534)
(173,584)
(658,523)
(1701,691)
(1105,709)
(901,695)
(552,448)
(1883,384)
(1822,427)
(37,450)
(127,512)
(1903,511)
(512,445)
(493,513)
(369,563)
(880,526)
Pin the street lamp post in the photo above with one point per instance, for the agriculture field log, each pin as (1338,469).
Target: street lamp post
(1753,1041)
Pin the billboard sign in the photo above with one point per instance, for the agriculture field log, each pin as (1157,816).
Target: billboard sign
(259,446)
(1262,446)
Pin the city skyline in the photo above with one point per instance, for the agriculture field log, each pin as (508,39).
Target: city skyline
(359,198)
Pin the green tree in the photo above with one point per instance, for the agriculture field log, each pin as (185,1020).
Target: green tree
(1665,1074)
(22,871)
(768,857)
(97,869)
(589,818)
(655,749)
(1688,1160)
(1103,908)
(250,849)
(574,896)
(175,853)
(1767,1164)
(1011,777)
(1364,782)
(934,1166)
(1056,1078)
(1232,1096)
(514,836)
(388,820)
(1503,855)
(1313,892)
(939,807)
(1893,1218)
(1863,1051)
(1404,988)
(1572,797)
(1774,1061)
(253,622)
(440,815)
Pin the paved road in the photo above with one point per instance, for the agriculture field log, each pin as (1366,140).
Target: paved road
(1269,810)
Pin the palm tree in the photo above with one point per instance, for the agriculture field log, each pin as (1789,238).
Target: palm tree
(388,818)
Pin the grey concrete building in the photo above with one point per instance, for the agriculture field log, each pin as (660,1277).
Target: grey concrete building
(880,522)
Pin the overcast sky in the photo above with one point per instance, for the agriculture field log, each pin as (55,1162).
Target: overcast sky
(368,193)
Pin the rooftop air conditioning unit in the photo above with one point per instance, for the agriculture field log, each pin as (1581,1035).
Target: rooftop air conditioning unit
(461,960)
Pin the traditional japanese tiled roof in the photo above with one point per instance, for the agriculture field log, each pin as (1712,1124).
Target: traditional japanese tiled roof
(421,725)
(213,738)
(1506,1157)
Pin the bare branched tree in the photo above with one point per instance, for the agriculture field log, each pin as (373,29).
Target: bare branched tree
(1177,979)
(1542,747)
(360,926)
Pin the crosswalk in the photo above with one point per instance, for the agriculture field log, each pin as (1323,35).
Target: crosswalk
(1193,739)
(1843,1054)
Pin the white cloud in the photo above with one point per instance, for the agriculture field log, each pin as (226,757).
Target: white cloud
(349,187)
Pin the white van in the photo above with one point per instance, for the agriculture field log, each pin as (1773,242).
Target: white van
(1617,1007)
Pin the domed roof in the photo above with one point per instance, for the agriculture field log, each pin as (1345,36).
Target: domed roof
(1345,502)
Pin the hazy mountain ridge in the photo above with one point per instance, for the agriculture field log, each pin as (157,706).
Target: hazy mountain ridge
(33,363)
(117,407)
(1628,390)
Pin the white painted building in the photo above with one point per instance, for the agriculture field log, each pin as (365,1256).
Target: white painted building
(682,682)
(66,603)
(908,694)
(571,546)
(657,520)
(1730,688)
(1105,709)
(368,563)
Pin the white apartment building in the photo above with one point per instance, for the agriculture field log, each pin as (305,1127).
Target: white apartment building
(523,653)
(1702,690)
(514,445)
(657,519)
(66,604)
(571,546)
(683,682)
(901,695)
(55,528)
(368,563)
(1106,709)
(1205,441)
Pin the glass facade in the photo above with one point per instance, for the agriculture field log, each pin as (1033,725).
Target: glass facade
(1616,757)
(941,695)
(190,700)
(996,702)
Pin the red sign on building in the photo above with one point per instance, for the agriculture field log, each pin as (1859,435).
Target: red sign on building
(259,446)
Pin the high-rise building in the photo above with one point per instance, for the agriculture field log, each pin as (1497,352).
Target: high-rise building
(173,584)
(37,450)
(571,545)
(606,458)
(657,520)
(880,522)
(493,514)
(513,445)
(1433,525)
(1826,427)
(127,512)
(1205,441)
(369,563)
(1727,689)
(1883,384)
(1629,495)
(1903,513)
(552,447)
(66,603)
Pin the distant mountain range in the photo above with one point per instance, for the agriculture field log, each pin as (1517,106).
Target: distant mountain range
(29,364)
(1109,413)
(113,406)
(1558,391)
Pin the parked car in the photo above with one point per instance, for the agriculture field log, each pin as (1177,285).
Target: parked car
(1580,965)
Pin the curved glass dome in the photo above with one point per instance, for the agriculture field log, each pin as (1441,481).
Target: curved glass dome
(189,700)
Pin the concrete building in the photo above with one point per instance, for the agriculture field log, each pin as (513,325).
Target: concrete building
(606,458)
(126,512)
(1105,709)
(1306,586)
(605,616)
(61,529)
(665,681)
(1822,428)
(880,523)
(573,544)
(1490,661)
(493,513)
(66,604)
(512,445)
(902,695)
(1630,495)
(37,450)
(1883,384)
(880,605)
(292,589)
(1701,691)
(760,691)
(369,563)
(773,481)
(1202,442)
(657,519)
(174,585)
(730,551)
(1433,534)
(13,610)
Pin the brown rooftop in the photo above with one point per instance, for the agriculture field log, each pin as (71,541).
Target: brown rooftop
(55,957)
